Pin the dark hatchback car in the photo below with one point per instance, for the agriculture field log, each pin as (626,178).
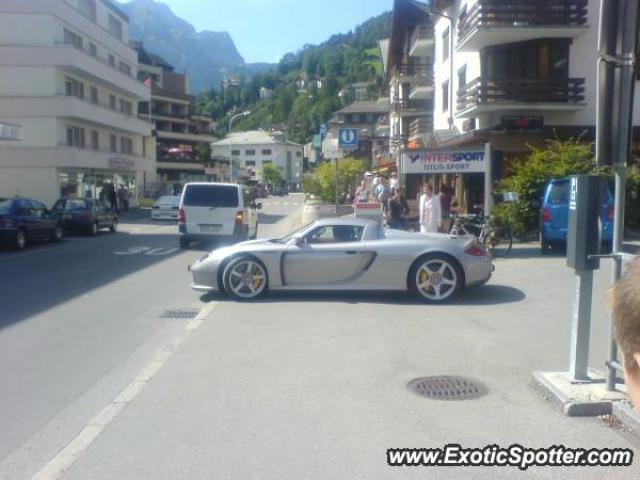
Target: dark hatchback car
(85,215)
(23,220)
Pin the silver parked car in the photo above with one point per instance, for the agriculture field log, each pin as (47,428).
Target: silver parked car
(166,208)
(346,254)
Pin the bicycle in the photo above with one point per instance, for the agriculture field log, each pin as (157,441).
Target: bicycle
(496,239)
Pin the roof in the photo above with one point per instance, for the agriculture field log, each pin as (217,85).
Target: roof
(252,137)
(384,53)
(117,10)
(367,106)
(406,13)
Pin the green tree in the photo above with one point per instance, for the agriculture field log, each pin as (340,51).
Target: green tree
(271,175)
(323,182)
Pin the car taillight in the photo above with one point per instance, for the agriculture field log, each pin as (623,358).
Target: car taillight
(474,251)
(6,222)
(182,218)
(546,215)
(611,213)
(239,217)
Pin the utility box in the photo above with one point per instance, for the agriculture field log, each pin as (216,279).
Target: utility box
(583,237)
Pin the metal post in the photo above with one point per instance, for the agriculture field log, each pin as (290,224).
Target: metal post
(488,180)
(581,326)
(335,194)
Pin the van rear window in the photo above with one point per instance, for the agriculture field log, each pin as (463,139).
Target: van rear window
(211,196)
(559,193)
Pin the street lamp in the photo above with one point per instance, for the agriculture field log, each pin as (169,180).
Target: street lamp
(238,115)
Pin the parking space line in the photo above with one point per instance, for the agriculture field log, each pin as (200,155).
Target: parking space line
(72,451)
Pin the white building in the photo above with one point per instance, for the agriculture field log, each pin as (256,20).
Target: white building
(68,78)
(251,150)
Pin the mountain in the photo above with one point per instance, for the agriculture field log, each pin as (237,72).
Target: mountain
(205,56)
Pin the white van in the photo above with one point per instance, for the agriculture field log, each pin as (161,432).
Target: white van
(220,211)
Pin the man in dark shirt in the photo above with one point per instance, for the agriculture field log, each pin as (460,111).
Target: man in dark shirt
(398,208)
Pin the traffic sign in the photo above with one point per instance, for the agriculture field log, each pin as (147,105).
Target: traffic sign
(323,129)
(348,137)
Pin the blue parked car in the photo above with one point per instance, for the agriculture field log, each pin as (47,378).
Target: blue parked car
(554,215)
(23,220)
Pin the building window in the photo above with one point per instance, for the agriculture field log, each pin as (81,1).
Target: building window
(73,88)
(93,51)
(235,153)
(125,68)
(94,95)
(112,102)
(113,143)
(299,154)
(112,60)
(71,38)
(88,9)
(125,107)
(266,151)
(115,27)
(250,163)
(249,153)
(95,140)
(445,44)
(445,96)
(462,77)
(126,145)
(75,137)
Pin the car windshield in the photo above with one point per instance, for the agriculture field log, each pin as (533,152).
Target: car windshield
(5,205)
(168,200)
(293,234)
(211,196)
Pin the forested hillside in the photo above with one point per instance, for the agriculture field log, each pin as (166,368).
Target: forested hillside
(340,61)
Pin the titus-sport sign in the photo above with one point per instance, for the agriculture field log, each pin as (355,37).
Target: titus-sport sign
(463,161)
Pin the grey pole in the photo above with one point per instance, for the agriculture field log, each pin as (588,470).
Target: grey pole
(488,183)
(580,327)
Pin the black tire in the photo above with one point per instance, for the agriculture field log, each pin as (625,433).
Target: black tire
(454,267)
(499,241)
(238,288)
(21,240)
(57,234)
(114,226)
(545,247)
(93,229)
(184,242)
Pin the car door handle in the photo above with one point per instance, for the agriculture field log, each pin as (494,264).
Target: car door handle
(352,252)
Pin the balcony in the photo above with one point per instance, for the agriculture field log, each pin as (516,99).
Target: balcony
(413,108)
(422,87)
(421,41)
(420,126)
(409,70)
(496,22)
(493,95)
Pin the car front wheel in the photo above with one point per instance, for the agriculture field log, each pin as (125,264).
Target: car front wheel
(245,278)
(21,240)
(57,234)
(436,278)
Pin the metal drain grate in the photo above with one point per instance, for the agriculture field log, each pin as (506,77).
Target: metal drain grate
(179,314)
(447,387)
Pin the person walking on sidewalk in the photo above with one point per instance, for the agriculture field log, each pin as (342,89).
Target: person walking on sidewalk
(363,193)
(398,208)
(430,210)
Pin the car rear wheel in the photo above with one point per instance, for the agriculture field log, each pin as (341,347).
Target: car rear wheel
(21,240)
(57,234)
(245,278)
(114,226)
(436,278)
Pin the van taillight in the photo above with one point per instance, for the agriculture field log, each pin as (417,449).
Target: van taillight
(182,218)
(611,213)
(546,215)
(239,217)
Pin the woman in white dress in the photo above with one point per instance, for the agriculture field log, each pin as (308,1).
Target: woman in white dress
(430,210)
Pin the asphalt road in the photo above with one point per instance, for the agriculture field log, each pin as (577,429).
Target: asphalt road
(78,319)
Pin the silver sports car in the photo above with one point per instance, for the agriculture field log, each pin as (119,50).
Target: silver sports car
(346,254)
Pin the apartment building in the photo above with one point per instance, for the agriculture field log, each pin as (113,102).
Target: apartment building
(407,58)
(249,151)
(512,74)
(180,138)
(371,119)
(69,78)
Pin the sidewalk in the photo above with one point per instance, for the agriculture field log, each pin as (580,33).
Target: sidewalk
(313,386)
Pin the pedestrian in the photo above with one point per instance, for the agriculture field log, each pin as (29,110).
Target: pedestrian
(397,209)
(626,317)
(123,198)
(382,193)
(113,198)
(362,193)
(430,210)
(393,182)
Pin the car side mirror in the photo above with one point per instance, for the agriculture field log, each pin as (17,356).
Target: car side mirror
(299,241)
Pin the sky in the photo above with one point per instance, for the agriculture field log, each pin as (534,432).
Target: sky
(264,30)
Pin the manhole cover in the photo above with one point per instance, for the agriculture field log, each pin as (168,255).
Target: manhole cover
(447,387)
(179,314)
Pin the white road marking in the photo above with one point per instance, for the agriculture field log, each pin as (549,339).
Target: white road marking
(72,451)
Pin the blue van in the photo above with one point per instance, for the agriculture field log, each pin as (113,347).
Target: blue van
(554,215)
